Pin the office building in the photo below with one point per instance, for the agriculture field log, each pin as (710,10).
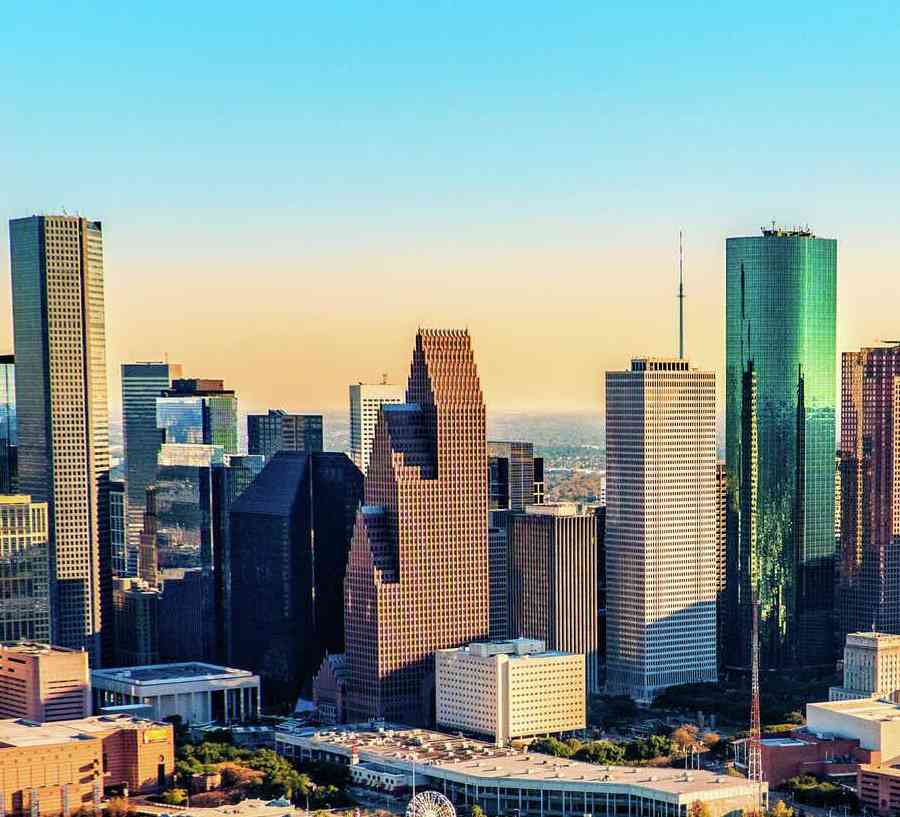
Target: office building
(660,527)
(199,412)
(197,692)
(505,780)
(871,668)
(553,580)
(290,536)
(117,530)
(366,400)
(42,683)
(136,614)
(721,561)
(780,444)
(280,431)
(149,541)
(8,426)
(510,689)
(24,570)
(600,519)
(142,384)
(515,480)
(417,576)
(61,402)
(61,769)
(869,557)
(188,620)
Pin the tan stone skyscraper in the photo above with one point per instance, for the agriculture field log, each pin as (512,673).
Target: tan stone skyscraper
(60,341)
(417,576)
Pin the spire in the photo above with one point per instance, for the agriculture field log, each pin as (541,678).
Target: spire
(680,295)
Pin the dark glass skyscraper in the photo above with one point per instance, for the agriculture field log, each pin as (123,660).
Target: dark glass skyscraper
(279,431)
(780,440)
(8,439)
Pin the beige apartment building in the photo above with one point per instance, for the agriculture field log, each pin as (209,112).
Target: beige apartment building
(42,683)
(24,569)
(871,667)
(510,689)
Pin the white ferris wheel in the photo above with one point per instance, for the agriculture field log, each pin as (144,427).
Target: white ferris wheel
(430,804)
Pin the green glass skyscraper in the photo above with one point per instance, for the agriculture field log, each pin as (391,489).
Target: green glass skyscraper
(780,440)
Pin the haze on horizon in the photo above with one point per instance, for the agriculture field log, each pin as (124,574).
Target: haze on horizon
(287,194)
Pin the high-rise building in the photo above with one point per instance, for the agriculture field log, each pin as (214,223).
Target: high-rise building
(779,431)
(553,580)
(187,615)
(290,536)
(24,570)
(149,549)
(871,668)
(366,400)
(417,576)
(201,412)
(721,560)
(136,612)
(660,527)
(280,431)
(41,683)
(8,426)
(868,594)
(142,384)
(515,480)
(117,533)
(61,399)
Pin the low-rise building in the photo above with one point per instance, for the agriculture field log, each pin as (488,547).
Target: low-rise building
(801,753)
(871,667)
(196,692)
(503,780)
(875,724)
(41,682)
(57,768)
(878,789)
(510,689)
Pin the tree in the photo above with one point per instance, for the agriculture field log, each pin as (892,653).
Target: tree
(781,810)
(604,752)
(117,807)
(698,809)
(711,739)
(551,746)
(685,736)
(174,797)
(477,811)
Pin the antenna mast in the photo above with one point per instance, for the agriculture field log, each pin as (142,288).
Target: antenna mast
(680,296)
(754,761)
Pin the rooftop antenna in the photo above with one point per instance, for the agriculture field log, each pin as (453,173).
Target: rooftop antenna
(680,296)
(384,379)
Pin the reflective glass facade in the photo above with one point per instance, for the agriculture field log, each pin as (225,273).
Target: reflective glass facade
(780,441)
(200,418)
(8,435)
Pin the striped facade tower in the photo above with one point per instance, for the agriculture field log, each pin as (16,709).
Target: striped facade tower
(417,575)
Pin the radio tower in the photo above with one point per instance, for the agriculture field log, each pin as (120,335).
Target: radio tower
(754,759)
(680,296)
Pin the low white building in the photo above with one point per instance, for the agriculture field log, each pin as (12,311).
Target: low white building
(510,689)
(197,692)
(875,724)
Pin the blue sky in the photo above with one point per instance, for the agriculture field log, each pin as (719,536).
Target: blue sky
(286,167)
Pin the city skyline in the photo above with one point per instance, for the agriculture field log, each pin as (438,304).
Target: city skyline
(533,169)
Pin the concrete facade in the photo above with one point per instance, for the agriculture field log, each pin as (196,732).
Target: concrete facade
(43,683)
(510,689)
(871,667)
(197,692)
(875,724)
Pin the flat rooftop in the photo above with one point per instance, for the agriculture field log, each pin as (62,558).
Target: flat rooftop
(169,673)
(33,648)
(398,746)
(867,709)
(19,733)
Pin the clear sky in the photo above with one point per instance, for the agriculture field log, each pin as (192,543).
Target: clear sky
(288,189)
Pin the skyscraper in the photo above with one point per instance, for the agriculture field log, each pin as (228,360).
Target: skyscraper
(142,384)
(290,536)
(553,580)
(366,400)
(869,560)
(721,560)
(8,426)
(515,480)
(24,570)
(779,430)
(417,576)
(61,399)
(279,431)
(660,527)
(196,411)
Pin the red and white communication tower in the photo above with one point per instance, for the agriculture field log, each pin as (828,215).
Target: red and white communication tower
(754,759)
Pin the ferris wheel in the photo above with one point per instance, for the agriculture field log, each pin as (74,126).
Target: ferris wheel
(430,804)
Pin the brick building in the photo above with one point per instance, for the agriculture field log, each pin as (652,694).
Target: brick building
(42,683)
(56,768)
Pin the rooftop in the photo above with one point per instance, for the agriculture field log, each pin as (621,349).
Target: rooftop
(169,673)
(33,647)
(28,733)
(867,709)
(559,509)
(398,745)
